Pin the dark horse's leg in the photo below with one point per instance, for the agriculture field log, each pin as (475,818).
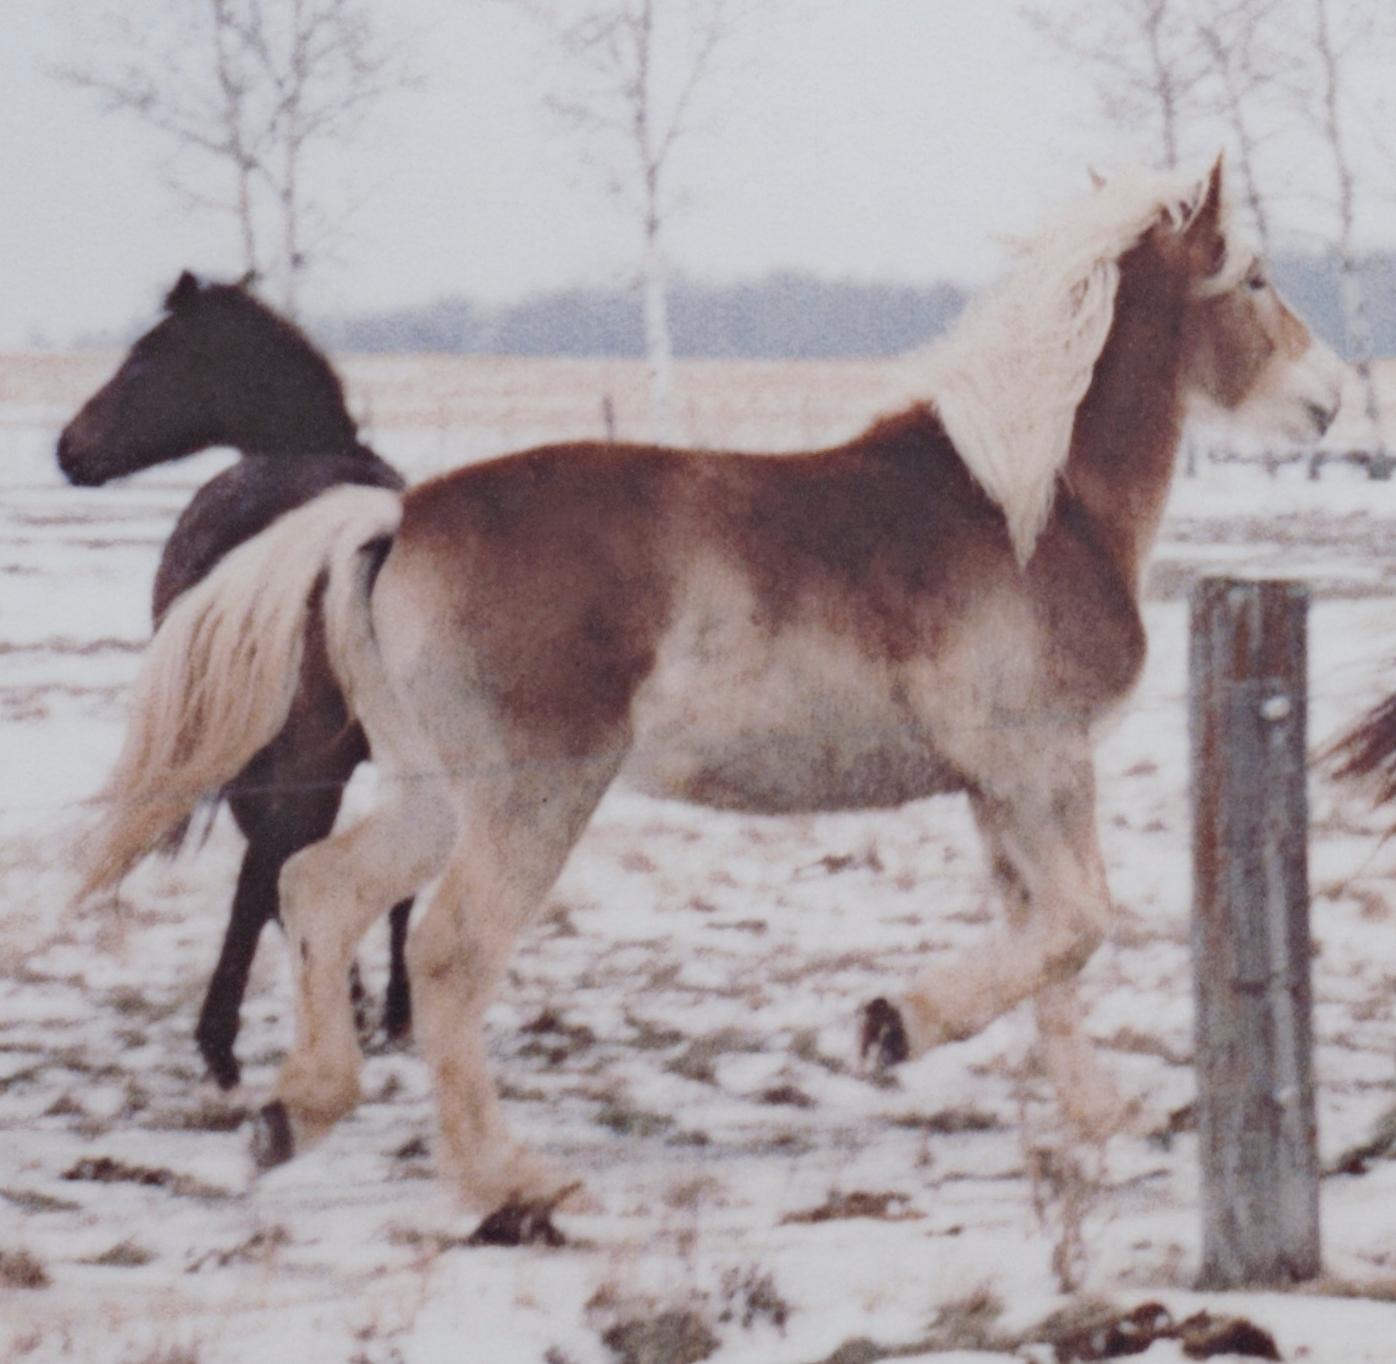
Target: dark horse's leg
(397,1006)
(278,823)
(275,829)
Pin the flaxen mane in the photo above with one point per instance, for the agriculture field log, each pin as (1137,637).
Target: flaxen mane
(1008,379)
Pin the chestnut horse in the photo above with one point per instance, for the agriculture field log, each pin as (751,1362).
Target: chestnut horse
(222,369)
(947,603)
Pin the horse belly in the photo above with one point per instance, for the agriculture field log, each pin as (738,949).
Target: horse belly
(795,722)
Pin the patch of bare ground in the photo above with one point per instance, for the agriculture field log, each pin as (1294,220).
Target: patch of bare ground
(1137,1043)
(838,1206)
(786,1095)
(554,1041)
(1082,1332)
(127,1254)
(626,1120)
(697,1061)
(948,1122)
(258,1249)
(639,1330)
(1381,1145)
(165,1354)
(750,1296)
(32,1201)
(19,1269)
(679,1336)
(106,1170)
(1088,1332)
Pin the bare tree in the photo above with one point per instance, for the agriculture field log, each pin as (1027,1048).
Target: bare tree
(257,89)
(1247,64)
(1145,57)
(636,75)
(1336,37)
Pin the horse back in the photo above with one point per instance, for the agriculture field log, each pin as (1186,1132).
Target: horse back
(243,501)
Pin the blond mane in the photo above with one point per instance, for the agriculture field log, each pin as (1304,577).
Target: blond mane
(1009,377)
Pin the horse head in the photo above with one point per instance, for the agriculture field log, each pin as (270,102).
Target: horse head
(1247,357)
(219,368)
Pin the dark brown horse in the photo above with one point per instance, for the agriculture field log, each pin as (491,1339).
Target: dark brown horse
(948,603)
(223,369)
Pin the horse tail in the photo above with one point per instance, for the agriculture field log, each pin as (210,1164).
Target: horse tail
(1367,752)
(220,675)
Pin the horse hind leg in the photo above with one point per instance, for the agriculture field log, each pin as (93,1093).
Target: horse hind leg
(273,832)
(330,893)
(254,902)
(512,846)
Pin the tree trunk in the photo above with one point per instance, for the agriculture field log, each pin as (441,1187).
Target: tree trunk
(659,355)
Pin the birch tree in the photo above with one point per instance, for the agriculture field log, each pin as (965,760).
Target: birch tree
(637,75)
(1246,65)
(246,94)
(1144,56)
(1337,32)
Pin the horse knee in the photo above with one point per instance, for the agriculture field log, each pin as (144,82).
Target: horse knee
(1069,956)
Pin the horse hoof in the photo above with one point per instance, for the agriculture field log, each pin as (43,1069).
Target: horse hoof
(523,1222)
(273,1142)
(224,1069)
(884,1035)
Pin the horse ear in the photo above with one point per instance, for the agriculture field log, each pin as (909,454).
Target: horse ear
(248,280)
(1205,238)
(186,289)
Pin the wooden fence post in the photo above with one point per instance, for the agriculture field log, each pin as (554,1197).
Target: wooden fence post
(1250,935)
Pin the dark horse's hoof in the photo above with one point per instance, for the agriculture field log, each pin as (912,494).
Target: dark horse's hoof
(215,1042)
(225,1071)
(884,1035)
(273,1142)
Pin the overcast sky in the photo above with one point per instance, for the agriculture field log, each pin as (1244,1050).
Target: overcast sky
(878,140)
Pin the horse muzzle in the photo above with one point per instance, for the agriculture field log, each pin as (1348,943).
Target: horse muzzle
(75,461)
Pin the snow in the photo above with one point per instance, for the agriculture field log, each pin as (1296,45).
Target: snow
(705,971)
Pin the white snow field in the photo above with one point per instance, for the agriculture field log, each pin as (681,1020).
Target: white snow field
(679,1027)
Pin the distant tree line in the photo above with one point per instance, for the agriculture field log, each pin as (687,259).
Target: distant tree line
(785,315)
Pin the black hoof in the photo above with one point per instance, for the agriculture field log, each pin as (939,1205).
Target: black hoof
(222,1065)
(884,1035)
(521,1224)
(273,1143)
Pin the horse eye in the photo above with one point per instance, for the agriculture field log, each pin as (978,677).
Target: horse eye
(1256,280)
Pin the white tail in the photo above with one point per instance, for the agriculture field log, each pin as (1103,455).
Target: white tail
(218,679)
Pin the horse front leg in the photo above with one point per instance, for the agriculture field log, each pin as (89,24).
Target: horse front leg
(1040,835)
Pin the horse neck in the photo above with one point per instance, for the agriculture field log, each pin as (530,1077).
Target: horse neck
(277,395)
(292,423)
(1127,428)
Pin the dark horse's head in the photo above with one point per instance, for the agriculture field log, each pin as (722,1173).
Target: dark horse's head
(220,368)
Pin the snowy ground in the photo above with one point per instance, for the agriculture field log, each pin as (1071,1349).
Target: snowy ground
(679,1029)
